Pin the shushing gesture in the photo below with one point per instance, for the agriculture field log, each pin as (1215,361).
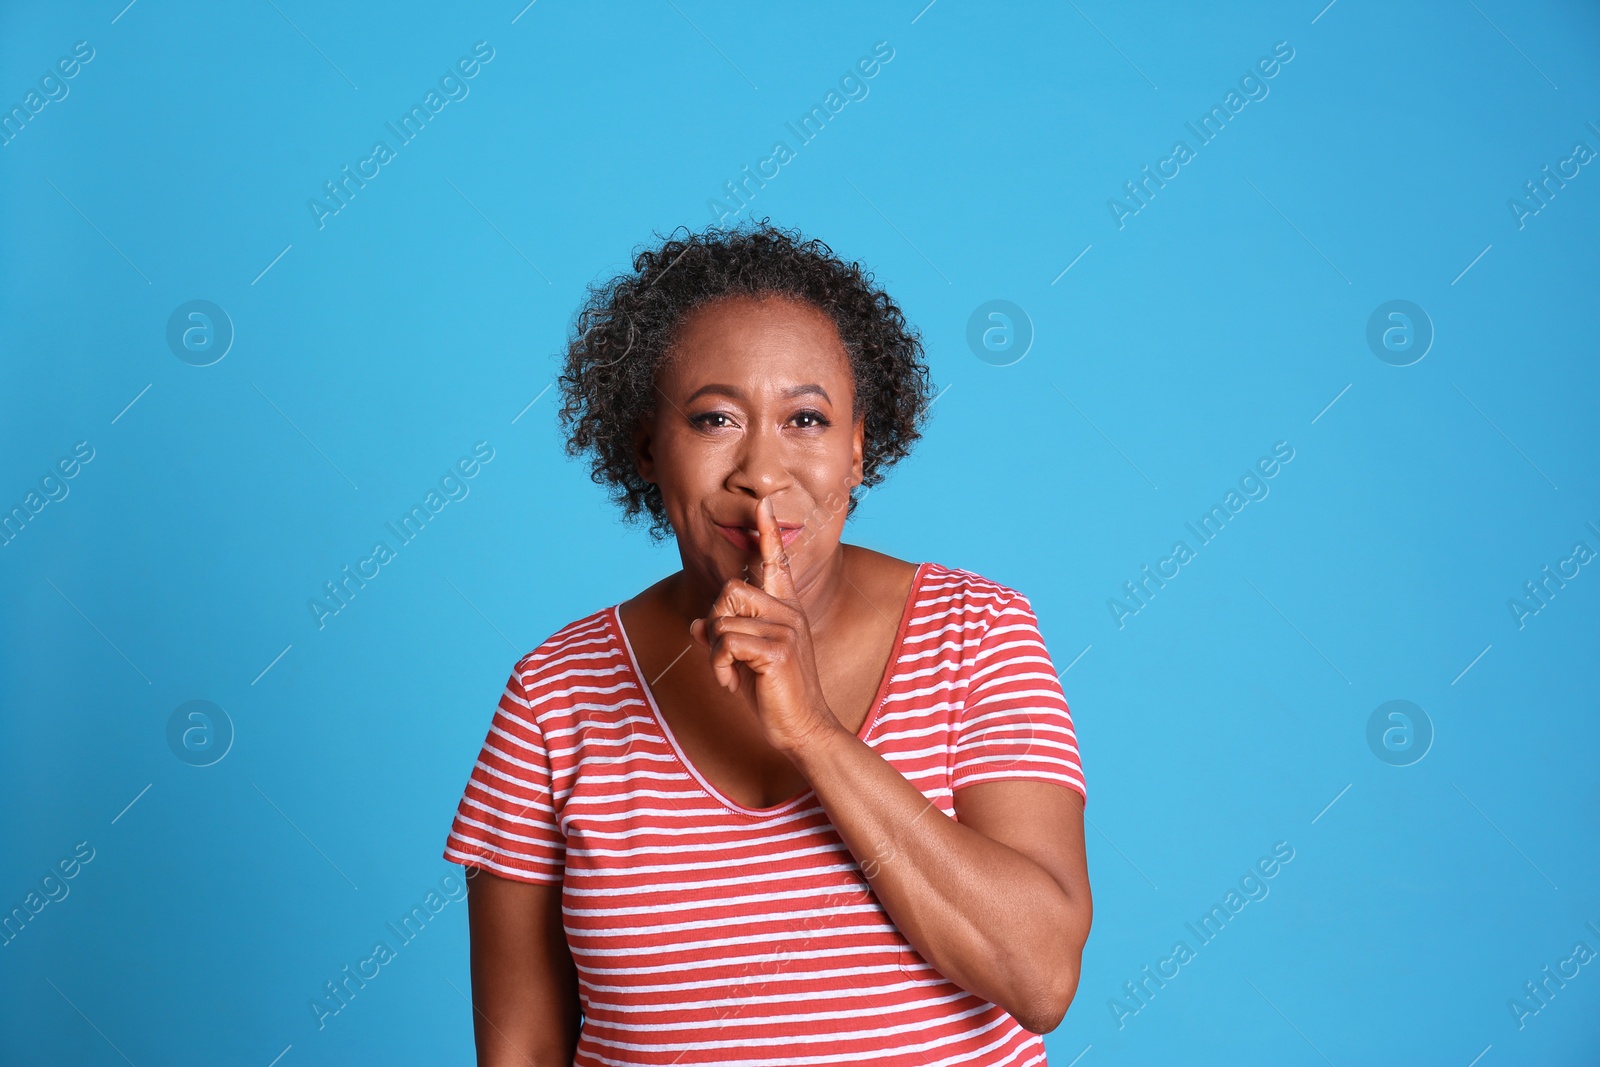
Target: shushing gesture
(759,641)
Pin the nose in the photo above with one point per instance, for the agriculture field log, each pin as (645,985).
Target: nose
(760,469)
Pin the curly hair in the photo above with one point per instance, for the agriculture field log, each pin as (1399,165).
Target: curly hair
(627,325)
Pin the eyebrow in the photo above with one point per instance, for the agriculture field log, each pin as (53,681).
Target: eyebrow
(738,394)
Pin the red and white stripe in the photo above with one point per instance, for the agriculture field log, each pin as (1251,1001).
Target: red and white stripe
(708,932)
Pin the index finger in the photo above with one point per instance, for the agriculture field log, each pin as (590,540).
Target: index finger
(776,579)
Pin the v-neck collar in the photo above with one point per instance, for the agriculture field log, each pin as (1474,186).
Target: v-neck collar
(614,618)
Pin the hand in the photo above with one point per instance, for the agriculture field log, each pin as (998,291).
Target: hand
(759,642)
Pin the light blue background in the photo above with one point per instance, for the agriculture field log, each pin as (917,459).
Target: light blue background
(427,314)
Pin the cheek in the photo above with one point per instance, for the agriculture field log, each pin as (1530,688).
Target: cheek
(829,490)
(689,464)
(689,471)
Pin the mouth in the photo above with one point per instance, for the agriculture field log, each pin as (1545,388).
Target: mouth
(748,538)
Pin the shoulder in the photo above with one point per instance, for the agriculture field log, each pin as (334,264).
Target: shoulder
(960,613)
(941,590)
(576,658)
(967,592)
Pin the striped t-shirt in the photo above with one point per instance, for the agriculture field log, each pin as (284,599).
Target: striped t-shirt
(705,931)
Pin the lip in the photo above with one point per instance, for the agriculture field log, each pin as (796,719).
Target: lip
(747,540)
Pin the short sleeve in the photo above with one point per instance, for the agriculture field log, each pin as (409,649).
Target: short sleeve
(506,822)
(1014,722)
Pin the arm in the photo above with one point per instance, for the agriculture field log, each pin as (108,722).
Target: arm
(524,984)
(998,902)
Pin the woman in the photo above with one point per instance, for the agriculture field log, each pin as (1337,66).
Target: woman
(800,802)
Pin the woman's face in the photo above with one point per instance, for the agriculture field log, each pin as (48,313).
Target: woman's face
(755,398)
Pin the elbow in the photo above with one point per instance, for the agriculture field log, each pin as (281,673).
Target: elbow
(1055,967)
(1050,1005)
(1056,984)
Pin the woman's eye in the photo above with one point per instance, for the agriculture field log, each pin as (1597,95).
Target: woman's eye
(808,419)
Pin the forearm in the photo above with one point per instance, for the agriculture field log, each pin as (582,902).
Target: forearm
(987,917)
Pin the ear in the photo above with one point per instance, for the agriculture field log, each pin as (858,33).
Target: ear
(858,442)
(643,438)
